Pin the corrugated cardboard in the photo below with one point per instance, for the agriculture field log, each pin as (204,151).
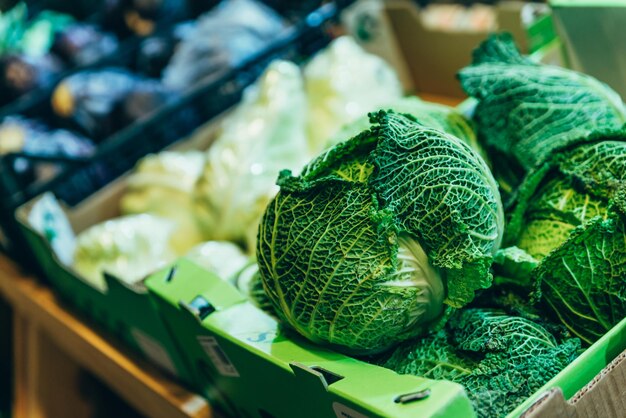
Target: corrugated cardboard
(603,397)
(258,350)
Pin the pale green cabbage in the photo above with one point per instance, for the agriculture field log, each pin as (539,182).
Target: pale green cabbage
(433,115)
(222,258)
(344,83)
(265,134)
(129,248)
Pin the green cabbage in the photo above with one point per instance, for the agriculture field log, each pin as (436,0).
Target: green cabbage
(569,217)
(527,111)
(566,229)
(363,249)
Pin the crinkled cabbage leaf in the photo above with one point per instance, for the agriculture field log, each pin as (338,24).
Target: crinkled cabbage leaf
(500,359)
(527,110)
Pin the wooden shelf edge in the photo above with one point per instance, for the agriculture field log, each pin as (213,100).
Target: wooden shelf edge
(138,382)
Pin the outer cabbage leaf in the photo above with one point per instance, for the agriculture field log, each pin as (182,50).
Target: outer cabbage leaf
(557,209)
(162,185)
(571,188)
(344,83)
(443,193)
(527,111)
(129,248)
(357,250)
(569,218)
(265,134)
(249,282)
(583,280)
(500,359)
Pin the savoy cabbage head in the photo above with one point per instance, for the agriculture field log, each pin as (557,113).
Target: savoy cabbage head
(562,132)
(364,248)
(570,218)
(498,358)
(526,111)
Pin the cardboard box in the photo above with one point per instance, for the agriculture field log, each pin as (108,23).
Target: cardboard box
(124,310)
(592,34)
(604,396)
(427,59)
(249,366)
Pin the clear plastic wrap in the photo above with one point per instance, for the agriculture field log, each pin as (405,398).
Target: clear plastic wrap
(222,258)
(344,83)
(162,185)
(264,135)
(129,248)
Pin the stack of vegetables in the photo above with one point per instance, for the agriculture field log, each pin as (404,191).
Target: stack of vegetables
(490,259)
(90,105)
(391,236)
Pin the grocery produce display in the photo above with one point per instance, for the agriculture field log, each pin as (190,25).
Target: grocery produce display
(116,97)
(567,220)
(485,248)
(194,196)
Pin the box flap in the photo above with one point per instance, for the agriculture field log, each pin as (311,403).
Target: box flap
(604,396)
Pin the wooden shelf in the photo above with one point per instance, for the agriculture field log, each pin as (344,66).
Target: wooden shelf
(43,326)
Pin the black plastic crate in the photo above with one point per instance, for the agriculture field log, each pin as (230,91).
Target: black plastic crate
(119,153)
